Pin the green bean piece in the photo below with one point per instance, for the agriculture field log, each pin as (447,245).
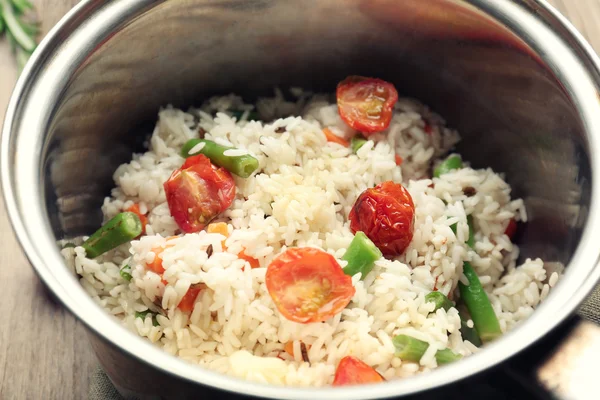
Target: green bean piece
(440,300)
(449,164)
(408,348)
(446,356)
(479,306)
(454,227)
(468,333)
(122,228)
(125,273)
(361,255)
(242,166)
(143,314)
(357,142)
(471,239)
(252,115)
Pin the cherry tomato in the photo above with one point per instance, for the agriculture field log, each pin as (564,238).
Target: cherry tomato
(366,104)
(352,371)
(308,285)
(189,298)
(511,229)
(386,214)
(143,219)
(198,192)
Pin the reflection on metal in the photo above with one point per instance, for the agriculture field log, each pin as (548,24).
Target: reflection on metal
(572,372)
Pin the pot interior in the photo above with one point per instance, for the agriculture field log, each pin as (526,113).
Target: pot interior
(513,112)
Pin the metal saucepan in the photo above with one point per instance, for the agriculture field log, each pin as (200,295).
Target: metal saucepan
(515,78)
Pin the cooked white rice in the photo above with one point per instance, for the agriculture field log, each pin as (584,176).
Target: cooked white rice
(301,196)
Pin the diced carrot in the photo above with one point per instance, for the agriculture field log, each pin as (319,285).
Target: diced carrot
(251,260)
(220,228)
(289,348)
(135,208)
(332,137)
(189,298)
(398,160)
(156,264)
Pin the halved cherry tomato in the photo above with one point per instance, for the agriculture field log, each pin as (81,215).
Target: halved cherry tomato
(308,285)
(189,298)
(386,214)
(251,260)
(198,192)
(135,208)
(398,160)
(332,137)
(366,104)
(352,371)
(511,229)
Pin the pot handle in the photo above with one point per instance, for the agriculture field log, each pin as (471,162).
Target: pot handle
(563,365)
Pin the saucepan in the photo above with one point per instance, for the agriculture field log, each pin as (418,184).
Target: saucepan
(514,77)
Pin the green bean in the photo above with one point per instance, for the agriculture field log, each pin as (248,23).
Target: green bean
(467,332)
(120,229)
(479,306)
(125,273)
(449,164)
(144,314)
(242,166)
(440,300)
(361,256)
(410,349)
(471,239)
(252,115)
(446,356)
(357,142)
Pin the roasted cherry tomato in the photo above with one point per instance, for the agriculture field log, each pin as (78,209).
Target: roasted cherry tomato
(366,104)
(198,192)
(511,229)
(386,214)
(189,298)
(308,285)
(352,371)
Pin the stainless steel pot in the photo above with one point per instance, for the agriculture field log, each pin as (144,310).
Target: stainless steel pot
(514,77)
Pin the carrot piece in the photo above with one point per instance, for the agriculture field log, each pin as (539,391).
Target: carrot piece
(135,208)
(289,348)
(398,160)
(156,264)
(511,229)
(218,227)
(251,260)
(189,298)
(332,137)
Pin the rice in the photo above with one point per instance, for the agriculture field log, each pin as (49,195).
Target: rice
(301,196)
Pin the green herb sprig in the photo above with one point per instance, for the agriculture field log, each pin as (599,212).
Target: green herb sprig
(20,32)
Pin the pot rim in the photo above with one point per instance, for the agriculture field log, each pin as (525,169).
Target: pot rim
(569,57)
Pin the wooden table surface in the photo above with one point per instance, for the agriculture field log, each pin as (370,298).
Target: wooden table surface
(43,349)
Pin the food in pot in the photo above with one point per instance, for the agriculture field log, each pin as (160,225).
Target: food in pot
(311,242)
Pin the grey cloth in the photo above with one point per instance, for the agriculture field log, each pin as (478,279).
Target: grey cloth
(101,387)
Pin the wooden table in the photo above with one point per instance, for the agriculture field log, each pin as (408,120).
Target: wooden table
(43,349)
